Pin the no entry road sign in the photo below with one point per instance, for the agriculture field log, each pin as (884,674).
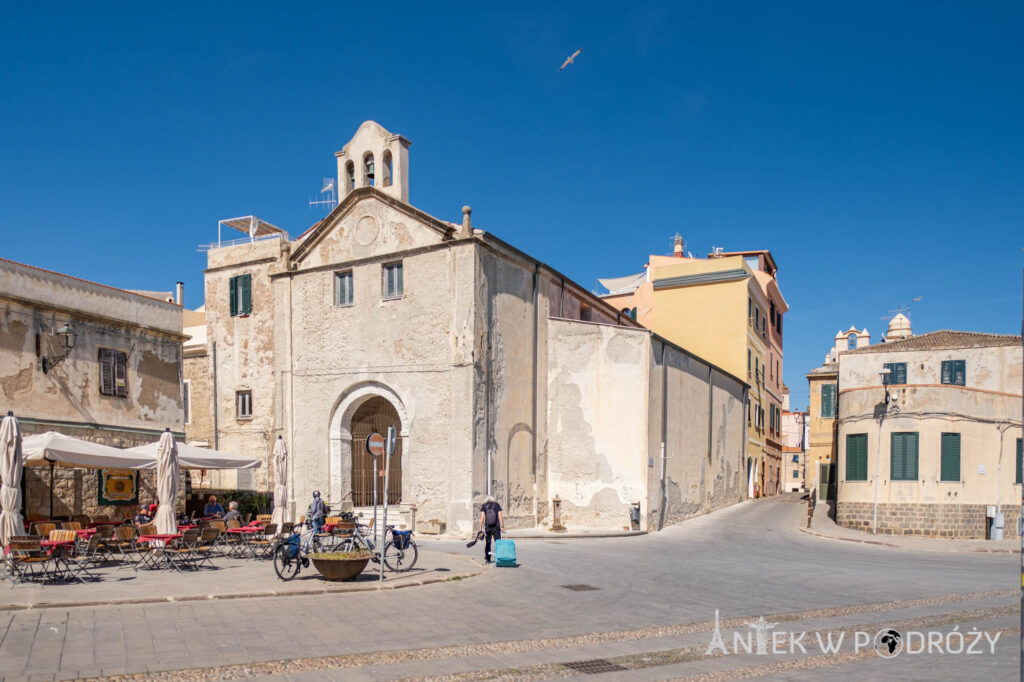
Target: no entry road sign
(375,444)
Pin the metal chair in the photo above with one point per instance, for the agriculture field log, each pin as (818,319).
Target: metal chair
(27,559)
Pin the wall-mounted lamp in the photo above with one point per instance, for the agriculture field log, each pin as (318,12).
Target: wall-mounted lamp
(885,374)
(67,341)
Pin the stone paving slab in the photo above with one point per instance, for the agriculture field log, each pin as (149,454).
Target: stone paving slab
(231,579)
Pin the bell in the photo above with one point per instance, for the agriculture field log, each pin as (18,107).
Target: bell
(369,168)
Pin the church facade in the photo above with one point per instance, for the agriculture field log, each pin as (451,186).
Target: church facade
(501,375)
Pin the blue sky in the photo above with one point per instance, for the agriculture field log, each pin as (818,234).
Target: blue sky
(875,148)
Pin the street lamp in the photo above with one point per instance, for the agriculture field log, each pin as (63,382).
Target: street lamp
(883,375)
(68,338)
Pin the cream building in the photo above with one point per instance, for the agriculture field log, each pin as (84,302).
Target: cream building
(927,447)
(92,362)
(501,375)
(794,447)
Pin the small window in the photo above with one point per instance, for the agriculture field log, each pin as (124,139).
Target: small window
(753,262)
(186,400)
(113,373)
(950,457)
(796,459)
(857,457)
(241,295)
(897,373)
(903,457)
(343,288)
(243,404)
(828,401)
(851,342)
(796,474)
(392,280)
(954,372)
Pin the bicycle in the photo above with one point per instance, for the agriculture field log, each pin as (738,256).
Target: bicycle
(400,552)
(292,552)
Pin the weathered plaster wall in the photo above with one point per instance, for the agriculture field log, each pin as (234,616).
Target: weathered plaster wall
(597,421)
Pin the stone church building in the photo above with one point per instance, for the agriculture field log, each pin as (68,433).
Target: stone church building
(501,375)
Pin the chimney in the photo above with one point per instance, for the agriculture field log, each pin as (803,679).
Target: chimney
(179,293)
(467,226)
(677,249)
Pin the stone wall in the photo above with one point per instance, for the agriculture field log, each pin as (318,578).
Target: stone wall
(961,521)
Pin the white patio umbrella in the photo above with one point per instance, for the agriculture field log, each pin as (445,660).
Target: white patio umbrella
(10,480)
(167,475)
(192,457)
(280,482)
(56,448)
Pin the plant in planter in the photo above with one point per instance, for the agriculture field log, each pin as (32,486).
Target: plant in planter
(341,565)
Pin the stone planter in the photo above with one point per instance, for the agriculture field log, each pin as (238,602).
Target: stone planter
(334,568)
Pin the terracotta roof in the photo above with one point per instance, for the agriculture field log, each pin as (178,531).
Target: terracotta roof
(311,228)
(942,339)
(831,368)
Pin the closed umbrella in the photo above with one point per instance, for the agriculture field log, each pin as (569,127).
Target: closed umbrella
(11,523)
(167,474)
(280,482)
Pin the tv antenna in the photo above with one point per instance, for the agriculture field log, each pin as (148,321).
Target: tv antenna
(328,195)
(901,309)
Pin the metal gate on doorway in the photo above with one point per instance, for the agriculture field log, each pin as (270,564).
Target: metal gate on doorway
(374,416)
(826,481)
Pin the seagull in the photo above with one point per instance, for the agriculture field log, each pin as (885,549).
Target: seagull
(570,59)
(918,299)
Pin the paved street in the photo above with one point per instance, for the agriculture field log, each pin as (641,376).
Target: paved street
(651,615)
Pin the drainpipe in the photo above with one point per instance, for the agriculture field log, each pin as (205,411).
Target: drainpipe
(664,434)
(216,405)
(536,349)
(878,458)
(711,425)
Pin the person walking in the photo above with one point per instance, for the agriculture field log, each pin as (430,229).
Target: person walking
(492,525)
(316,513)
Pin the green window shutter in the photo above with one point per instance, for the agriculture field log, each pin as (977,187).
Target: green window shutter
(950,465)
(828,401)
(1020,460)
(947,371)
(246,294)
(233,286)
(901,372)
(903,458)
(960,372)
(857,457)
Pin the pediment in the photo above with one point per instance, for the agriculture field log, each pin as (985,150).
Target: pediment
(366,224)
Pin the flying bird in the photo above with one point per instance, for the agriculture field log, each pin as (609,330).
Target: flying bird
(919,298)
(570,59)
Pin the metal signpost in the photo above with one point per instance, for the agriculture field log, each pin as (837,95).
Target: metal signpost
(389,449)
(375,446)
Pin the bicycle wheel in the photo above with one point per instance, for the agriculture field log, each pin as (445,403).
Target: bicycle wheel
(286,567)
(400,559)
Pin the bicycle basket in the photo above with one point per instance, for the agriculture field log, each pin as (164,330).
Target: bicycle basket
(402,538)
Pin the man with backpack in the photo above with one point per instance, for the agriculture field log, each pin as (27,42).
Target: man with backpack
(492,524)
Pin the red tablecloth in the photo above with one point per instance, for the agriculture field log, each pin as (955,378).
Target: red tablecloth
(86,532)
(245,529)
(162,537)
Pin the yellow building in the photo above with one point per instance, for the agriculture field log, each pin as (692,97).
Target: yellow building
(728,309)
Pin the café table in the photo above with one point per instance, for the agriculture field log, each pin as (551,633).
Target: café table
(244,534)
(157,542)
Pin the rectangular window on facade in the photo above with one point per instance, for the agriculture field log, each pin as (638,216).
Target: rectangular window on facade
(828,401)
(392,275)
(113,373)
(343,288)
(796,459)
(950,457)
(903,457)
(1020,460)
(954,372)
(857,457)
(241,295)
(897,373)
(243,404)
(186,400)
(796,474)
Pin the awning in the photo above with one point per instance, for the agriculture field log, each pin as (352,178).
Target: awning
(191,457)
(52,447)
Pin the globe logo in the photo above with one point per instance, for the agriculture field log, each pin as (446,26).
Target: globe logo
(888,643)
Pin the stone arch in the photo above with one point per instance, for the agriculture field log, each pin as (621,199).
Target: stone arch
(340,447)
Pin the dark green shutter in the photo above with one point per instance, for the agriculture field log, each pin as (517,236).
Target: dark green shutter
(828,401)
(1020,457)
(960,372)
(947,371)
(233,285)
(950,466)
(901,372)
(857,457)
(903,458)
(246,302)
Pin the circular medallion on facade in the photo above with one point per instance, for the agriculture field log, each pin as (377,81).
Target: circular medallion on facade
(366,230)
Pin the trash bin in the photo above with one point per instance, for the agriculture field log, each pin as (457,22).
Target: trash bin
(634,515)
(997,526)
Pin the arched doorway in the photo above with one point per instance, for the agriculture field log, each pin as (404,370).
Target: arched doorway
(374,415)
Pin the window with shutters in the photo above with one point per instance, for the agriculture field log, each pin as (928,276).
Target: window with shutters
(857,457)
(186,400)
(828,401)
(903,457)
(343,288)
(113,373)
(954,372)
(241,295)
(1020,457)
(796,459)
(796,474)
(393,286)
(897,373)
(243,404)
(950,457)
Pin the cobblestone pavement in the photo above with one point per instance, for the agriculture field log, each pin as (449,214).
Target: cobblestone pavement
(651,615)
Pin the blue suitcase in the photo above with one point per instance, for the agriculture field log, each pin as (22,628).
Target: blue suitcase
(504,553)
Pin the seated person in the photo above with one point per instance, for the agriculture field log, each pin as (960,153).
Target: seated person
(213,507)
(143,517)
(232,514)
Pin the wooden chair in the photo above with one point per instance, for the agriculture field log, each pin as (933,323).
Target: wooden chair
(183,553)
(264,518)
(81,560)
(101,519)
(123,541)
(81,519)
(208,545)
(71,525)
(42,528)
(27,559)
(263,545)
